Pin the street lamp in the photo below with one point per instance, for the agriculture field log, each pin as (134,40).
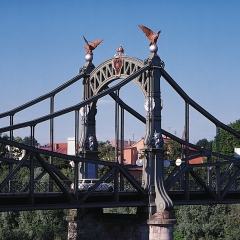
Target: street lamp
(149,104)
(100,166)
(166,163)
(178,161)
(139,162)
(72,164)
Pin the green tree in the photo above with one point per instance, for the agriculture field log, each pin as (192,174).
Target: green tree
(228,141)
(33,225)
(173,149)
(178,235)
(3,148)
(232,227)
(172,152)
(202,222)
(106,153)
(204,143)
(26,140)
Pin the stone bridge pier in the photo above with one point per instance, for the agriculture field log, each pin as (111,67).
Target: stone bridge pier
(108,226)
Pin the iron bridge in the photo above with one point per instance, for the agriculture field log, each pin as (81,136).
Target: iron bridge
(214,181)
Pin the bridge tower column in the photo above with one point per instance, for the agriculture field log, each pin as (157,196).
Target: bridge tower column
(88,143)
(160,206)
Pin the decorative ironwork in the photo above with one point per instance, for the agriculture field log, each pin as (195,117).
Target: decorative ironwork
(117,64)
(118,61)
(90,47)
(91,143)
(184,183)
(17,186)
(104,74)
(153,37)
(157,140)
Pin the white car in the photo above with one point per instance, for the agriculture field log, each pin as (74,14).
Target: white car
(85,184)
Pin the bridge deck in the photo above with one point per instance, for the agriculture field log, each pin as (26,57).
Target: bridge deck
(57,200)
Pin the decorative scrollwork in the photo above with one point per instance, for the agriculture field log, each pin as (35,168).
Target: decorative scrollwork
(82,70)
(147,61)
(91,143)
(105,73)
(162,64)
(157,140)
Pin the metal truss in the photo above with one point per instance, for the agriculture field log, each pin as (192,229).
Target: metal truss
(37,194)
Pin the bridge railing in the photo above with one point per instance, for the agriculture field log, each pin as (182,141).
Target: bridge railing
(42,98)
(18,186)
(194,186)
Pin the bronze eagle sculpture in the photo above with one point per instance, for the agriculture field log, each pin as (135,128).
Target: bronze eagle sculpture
(153,37)
(90,47)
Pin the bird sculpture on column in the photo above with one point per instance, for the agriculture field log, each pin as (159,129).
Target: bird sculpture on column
(153,37)
(90,47)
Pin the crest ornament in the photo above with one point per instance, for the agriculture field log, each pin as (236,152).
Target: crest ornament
(157,140)
(91,143)
(118,61)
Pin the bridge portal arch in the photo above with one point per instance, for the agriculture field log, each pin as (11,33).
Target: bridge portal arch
(96,80)
(148,80)
(106,73)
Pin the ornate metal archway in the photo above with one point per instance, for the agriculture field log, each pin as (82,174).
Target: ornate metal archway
(97,80)
(105,73)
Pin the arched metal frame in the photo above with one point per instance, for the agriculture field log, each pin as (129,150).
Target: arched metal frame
(97,81)
(149,82)
(104,74)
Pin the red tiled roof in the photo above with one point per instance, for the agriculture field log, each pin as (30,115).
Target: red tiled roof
(125,143)
(62,150)
(196,160)
(134,143)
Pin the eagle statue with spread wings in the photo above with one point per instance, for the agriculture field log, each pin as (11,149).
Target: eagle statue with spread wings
(90,47)
(153,37)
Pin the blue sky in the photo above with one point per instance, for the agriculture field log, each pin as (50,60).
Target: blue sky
(41,47)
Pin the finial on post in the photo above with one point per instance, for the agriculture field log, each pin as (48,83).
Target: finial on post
(90,47)
(153,48)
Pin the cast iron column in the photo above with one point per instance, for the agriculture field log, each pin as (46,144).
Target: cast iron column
(160,205)
(88,125)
